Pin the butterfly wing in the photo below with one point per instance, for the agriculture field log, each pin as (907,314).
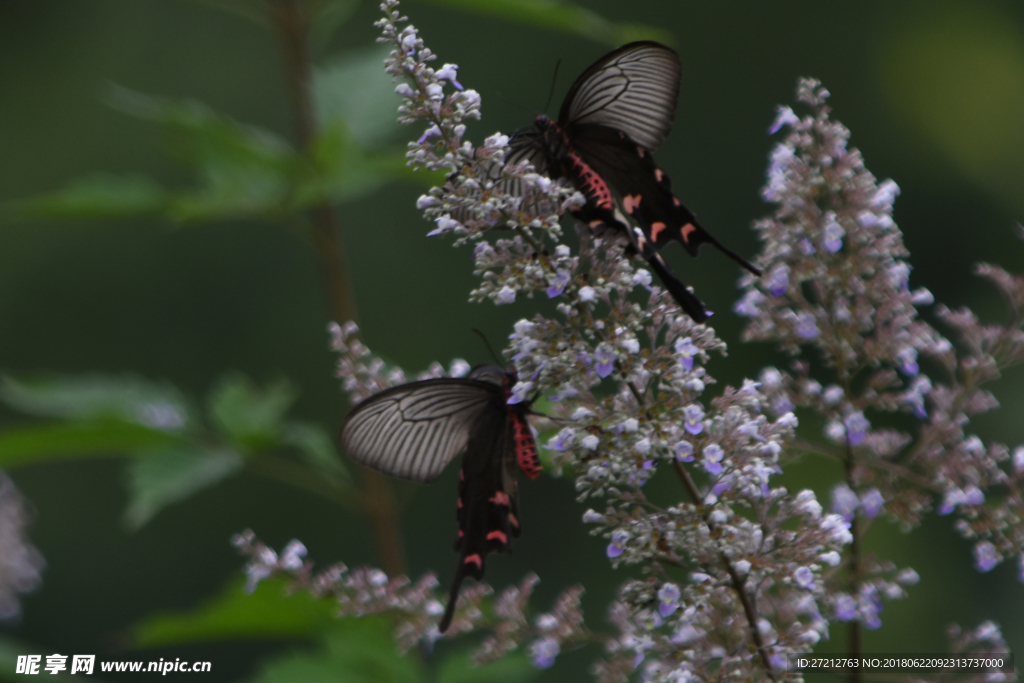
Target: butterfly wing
(645,190)
(488,509)
(414,430)
(632,89)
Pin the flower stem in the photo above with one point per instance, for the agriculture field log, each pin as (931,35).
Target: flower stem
(292,25)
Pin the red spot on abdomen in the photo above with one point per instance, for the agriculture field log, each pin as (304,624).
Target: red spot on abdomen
(591,183)
(526,449)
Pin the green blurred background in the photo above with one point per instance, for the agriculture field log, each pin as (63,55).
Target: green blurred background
(932,91)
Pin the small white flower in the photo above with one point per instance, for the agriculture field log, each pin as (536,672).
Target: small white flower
(587,294)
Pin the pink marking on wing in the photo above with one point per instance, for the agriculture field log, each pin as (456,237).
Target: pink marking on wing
(675,200)
(512,520)
(474,559)
(500,498)
(658,175)
(498,535)
(641,151)
(631,203)
(656,228)
(686,231)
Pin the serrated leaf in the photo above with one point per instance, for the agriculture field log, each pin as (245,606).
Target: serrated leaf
(561,16)
(97,196)
(462,668)
(248,415)
(159,477)
(317,449)
(356,90)
(158,405)
(356,651)
(62,440)
(269,612)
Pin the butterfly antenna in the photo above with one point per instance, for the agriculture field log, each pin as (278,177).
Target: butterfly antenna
(554,79)
(489,347)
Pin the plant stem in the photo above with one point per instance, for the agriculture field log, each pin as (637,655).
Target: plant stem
(291,23)
(738,584)
(855,646)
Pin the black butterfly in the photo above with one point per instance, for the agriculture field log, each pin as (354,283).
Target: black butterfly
(414,430)
(615,115)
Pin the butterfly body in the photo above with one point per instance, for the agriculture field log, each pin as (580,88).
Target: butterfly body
(413,430)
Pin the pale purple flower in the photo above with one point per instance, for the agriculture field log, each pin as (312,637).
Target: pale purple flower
(871,502)
(845,607)
(687,633)
(1018,460)
(506,295)
(592,517)
(458,368)
(922,297)
(784,117)
(562,441)
(833,236)
(630,424)
(749,305)
(951,500)
(618,544)
(985,556)
(907,358)
(605,357)
(684,451)
(973,495)
(643,447)
(643,278)
(844,501)
(588,294)
(694,419)
(856,427)
(806,325)
(447,72)
(831,558)
(668,599)
(778,280)
(804,577)
(713,455)
(558,283)
(870,607)
(433,131)
(590,442)
(806,247)
(687,351)
(544,652)
(520,392)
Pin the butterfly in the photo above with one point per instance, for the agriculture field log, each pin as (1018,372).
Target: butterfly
(615,115)
(414,430)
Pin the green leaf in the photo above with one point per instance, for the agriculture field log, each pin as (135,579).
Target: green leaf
(60,441)
(461,668)
(158,405)
(269,612)
(561,16)
(317,449)
(163,476)
(251,417)
(97,196)
(243,170)
(355,89)
(357,651)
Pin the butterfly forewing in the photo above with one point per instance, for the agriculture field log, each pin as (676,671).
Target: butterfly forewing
(414,430)
(632,89)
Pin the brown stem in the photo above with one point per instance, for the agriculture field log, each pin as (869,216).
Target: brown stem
(292,26)
(749,608)
(855,647)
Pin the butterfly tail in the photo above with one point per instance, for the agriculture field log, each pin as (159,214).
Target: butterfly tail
(692,236)
(453,597)
(693,306)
